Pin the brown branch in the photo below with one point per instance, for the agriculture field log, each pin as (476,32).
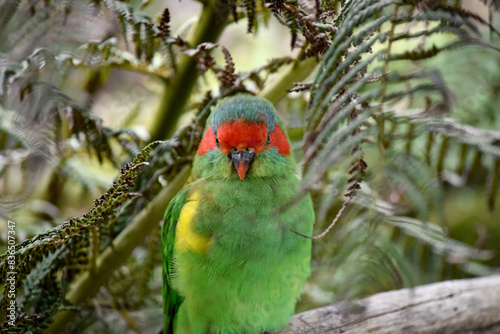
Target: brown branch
(459,306)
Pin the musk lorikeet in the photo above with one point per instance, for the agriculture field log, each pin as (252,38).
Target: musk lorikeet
(232,263)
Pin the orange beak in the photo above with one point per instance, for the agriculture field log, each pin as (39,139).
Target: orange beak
(242,161)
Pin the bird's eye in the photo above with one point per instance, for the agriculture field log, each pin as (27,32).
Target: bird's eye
(268,140)
(217,142)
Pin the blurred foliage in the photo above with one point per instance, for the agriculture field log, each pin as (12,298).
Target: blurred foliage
(391,110)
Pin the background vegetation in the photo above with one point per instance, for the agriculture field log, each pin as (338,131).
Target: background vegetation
(391,107)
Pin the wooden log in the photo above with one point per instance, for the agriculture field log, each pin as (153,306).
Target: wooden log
(459,306)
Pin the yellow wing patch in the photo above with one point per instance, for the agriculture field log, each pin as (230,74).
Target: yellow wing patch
(185,237)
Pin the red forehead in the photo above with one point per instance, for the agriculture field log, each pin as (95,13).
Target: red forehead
(241,134)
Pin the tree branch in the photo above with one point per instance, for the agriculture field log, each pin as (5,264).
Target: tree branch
(459,306)
(294,72)
(212,21)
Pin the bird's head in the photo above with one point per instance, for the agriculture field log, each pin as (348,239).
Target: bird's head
(243,138)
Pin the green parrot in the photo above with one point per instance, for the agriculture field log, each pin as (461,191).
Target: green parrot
(232,260)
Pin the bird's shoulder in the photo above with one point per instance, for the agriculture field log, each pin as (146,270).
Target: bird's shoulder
(179,221)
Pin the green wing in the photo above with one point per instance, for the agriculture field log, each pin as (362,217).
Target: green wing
(171,299)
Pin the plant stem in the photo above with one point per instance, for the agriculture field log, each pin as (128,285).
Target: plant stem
(213,20)
(295,72)
(89,283)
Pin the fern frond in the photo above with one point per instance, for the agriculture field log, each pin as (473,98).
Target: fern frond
(342,79)
(56,248)
(250,11)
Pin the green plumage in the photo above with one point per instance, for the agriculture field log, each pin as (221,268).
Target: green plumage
(250,277)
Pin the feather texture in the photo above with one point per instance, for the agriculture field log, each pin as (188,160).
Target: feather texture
(237,263)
